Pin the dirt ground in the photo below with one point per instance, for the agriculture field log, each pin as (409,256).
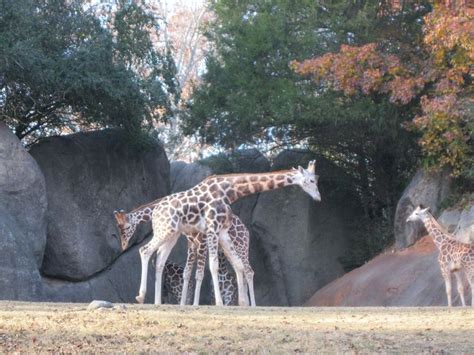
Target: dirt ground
(40,327)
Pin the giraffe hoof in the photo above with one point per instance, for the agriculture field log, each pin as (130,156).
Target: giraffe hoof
(140,299)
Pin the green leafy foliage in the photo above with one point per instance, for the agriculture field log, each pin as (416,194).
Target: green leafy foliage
(63,69)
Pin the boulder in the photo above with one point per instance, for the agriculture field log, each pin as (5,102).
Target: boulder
(449,219)
(184,175)
(408,277)
(249,161)
(19,276)
(23,193)
(118,283)
(88,176)
(465,228)
(428,189)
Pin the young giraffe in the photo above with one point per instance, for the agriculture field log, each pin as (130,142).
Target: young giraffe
(197,250)
(240,239)
(173,282)
(205,208)
(454,256)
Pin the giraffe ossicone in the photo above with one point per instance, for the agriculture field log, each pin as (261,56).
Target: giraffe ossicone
(454,257)
(205,208)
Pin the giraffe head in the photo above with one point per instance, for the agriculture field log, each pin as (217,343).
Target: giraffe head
(125,227)
(308,180)
(418,214)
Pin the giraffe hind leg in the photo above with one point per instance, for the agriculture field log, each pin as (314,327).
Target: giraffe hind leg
(447,282)
(460,286)
(188,269)
(162,256)
(249,273)
(146,252)
(237,264)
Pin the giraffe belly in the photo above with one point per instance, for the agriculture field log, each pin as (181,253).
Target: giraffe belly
(455,266)
(197,226)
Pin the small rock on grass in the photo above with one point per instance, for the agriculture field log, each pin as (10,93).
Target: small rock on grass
(96,304)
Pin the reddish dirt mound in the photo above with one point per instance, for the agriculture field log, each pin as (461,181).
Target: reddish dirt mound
(410,277)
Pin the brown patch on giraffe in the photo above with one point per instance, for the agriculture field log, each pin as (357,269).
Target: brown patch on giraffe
(244,190)
(271,185)
(253,178)
(193,209)
(263,179)
(280,184)
(231,195)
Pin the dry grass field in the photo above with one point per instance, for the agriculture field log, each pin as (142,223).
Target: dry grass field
(46,327)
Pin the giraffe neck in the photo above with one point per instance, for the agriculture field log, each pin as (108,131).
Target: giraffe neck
(435,230)
(242,185)
(141,215)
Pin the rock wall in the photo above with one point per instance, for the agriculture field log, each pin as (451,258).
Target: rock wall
(459,220)
(118,282)
(88,176)
(22,220)
(57,215)
(23,191)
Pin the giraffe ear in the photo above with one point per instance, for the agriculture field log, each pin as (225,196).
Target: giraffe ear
(312,166)
(425,210)
(300,169)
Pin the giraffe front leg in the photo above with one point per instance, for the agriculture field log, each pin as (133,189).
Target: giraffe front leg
(460,286)
(212,243)
(162,256)
(201,264)
(188,269)
(447,282)
(249,273)
(470,279)
(146,252)
(236,263)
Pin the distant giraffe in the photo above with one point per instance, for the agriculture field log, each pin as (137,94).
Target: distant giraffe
(197,251)
(454,256)
(205,209)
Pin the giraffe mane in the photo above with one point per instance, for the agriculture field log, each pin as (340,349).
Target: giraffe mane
(149,204)
(440,227)
(277,172)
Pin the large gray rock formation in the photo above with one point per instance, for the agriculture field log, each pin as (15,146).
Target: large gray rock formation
(459,220)
(88,175)
(428,189)
(183,176)
(23,192)
(22,220)
(119,282)
(19,276)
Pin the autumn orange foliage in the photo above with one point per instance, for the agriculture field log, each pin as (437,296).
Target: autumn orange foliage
(439,82)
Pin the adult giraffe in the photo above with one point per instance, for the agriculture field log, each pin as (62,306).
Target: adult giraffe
(205,208)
